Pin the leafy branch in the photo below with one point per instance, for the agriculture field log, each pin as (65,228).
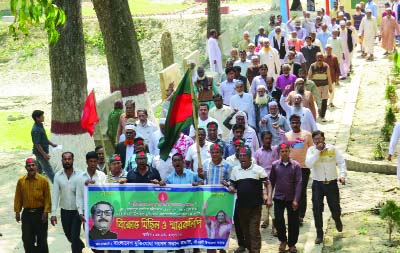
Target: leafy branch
(35,12)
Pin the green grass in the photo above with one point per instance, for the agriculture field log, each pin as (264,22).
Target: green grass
(139,7)
(15,135)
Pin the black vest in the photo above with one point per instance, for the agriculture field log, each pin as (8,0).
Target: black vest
(282,49)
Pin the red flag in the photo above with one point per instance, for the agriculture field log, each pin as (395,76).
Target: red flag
(89,114)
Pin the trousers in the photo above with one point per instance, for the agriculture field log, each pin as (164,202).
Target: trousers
(293,222)
(305,173)
(34,232)
(249,220)
(45,166)
(331,192)
(71,224)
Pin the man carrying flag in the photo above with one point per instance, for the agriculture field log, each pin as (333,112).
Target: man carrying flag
(180,115)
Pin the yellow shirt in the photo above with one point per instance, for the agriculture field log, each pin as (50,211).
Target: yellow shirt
(32,193)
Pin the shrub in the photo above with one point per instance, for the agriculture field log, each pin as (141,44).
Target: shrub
(390,94)
(391,213)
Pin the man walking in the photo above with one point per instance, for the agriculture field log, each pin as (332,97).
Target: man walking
(286,179)
(248,180)
(64,194)
(214,53)
(367,33)
(320,73)
(334,70)
(323,158)
(41,144)
(299,141)
(33,195)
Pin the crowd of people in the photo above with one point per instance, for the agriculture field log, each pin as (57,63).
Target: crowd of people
(257,134)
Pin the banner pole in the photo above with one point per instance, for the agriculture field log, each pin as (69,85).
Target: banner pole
(102,140)
(195,121)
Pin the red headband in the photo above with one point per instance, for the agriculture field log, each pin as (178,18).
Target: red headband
(29,160)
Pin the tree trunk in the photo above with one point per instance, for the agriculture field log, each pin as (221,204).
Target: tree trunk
(124,60)
(69,86)
(213,16)
(167,53)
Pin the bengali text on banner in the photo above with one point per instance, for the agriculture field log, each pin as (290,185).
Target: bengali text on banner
(146,216)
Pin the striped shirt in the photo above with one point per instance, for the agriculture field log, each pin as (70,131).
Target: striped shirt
(215,173)
(32,193)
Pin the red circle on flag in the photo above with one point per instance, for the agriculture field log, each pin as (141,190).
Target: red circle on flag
(163,197)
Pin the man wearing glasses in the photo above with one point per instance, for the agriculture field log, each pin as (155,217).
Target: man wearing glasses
(102,215)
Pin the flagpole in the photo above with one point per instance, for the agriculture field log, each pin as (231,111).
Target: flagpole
(102,139)
(195,122)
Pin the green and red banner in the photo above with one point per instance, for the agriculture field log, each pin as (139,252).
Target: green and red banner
(149,217)
(180,115)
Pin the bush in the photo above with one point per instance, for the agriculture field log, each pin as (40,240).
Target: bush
(390,120)
(391,213)
(390,94)
(380,150)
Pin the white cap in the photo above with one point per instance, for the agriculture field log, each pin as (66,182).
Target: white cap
(342,22)
(368,10)
(130,127)
(261,27)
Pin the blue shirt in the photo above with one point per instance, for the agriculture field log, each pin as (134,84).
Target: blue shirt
(373,7)
(39,136)
(215,173)
(187,177)
(323,37)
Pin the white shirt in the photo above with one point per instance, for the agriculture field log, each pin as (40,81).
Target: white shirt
(227,90)
(258,80)
(64,191)
(244,103)
(164,167)
(307,119)
(214,54)
(203,124)
(191,154)
(145,130)
(271,58)
(99,177)
(220,115)
(243,66)
(153,143)
(323,163)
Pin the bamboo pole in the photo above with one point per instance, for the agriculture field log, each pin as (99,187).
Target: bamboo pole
(102,140)
(195,122)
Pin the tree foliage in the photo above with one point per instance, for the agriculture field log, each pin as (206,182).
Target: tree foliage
(36,12)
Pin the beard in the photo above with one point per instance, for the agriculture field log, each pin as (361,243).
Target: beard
(67,166)
(261,100)
(300,91)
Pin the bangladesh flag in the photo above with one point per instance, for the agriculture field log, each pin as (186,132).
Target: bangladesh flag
(180,115)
